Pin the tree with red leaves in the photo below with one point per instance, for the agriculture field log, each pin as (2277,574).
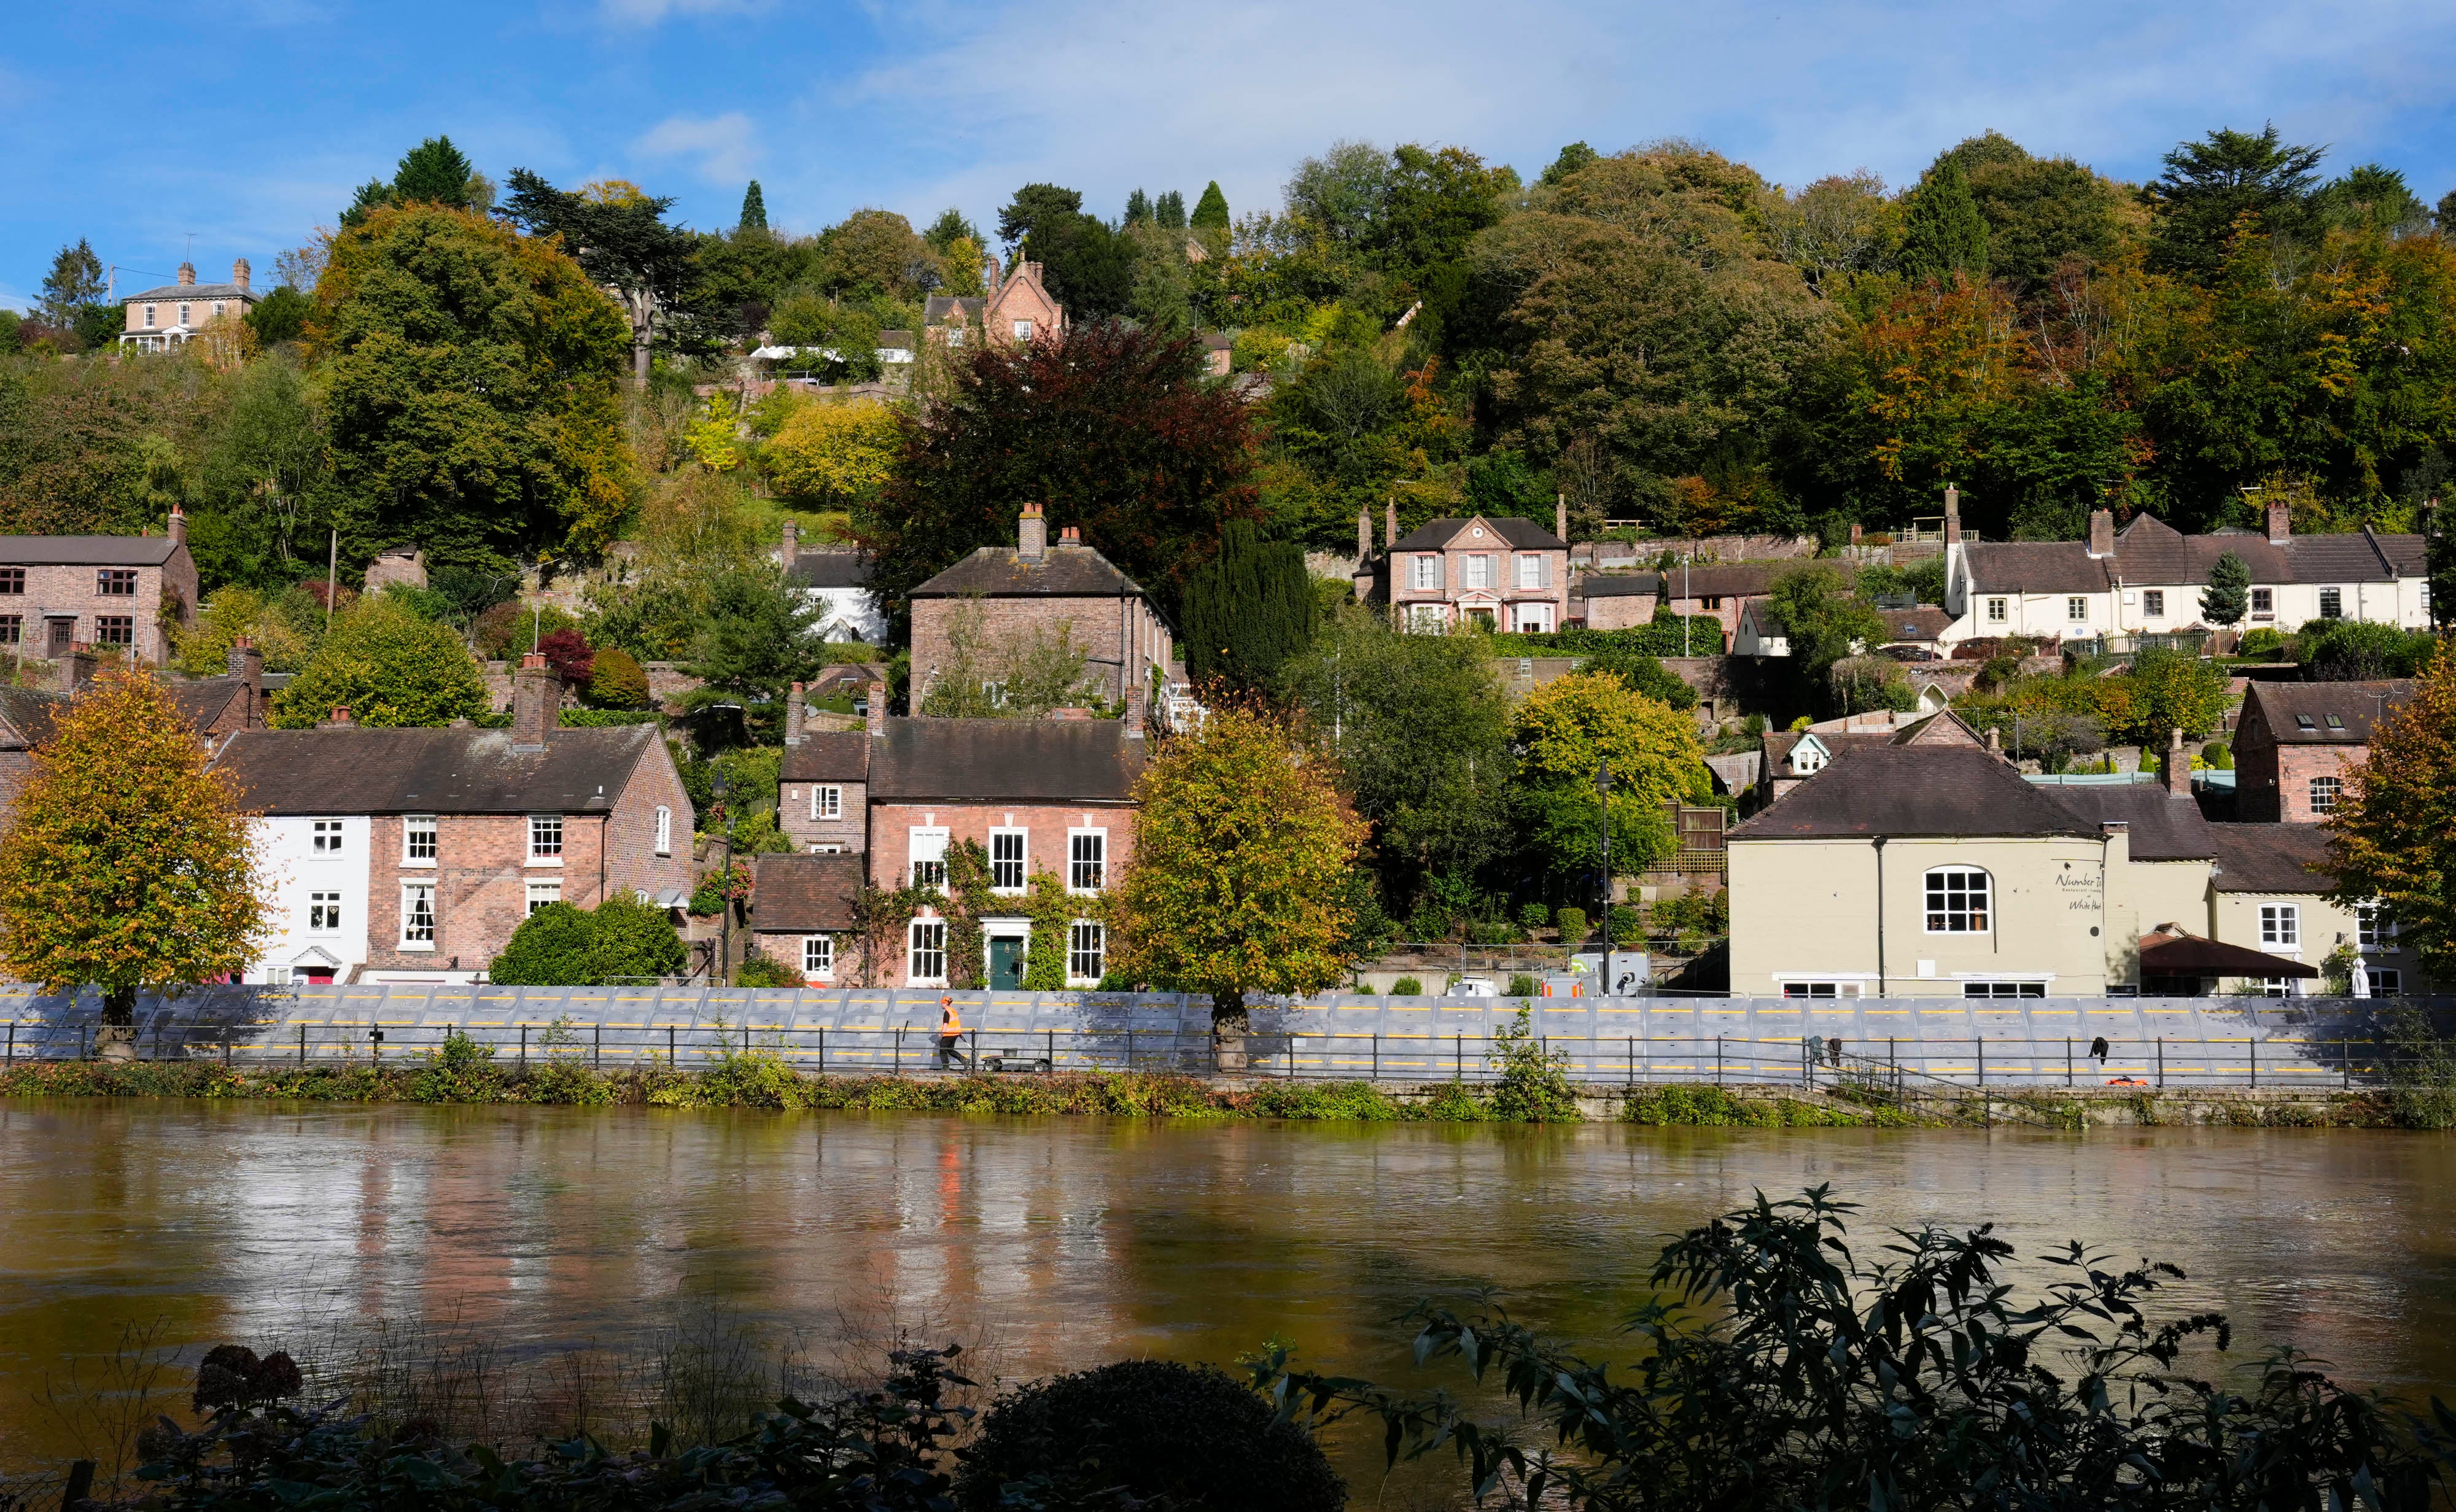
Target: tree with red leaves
(568,651)
(1109,428)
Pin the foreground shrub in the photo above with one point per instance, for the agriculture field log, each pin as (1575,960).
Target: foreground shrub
(1153,1428)
(1779,1369)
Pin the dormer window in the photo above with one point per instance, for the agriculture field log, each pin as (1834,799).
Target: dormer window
(1808,757)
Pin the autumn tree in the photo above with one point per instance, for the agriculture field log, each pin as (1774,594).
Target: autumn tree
(830,456)
(1566,731)
(2392,840)
(1238,885)
(1110,428)
(128,863)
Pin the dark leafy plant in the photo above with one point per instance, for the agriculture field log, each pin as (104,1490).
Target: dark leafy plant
(1783,1370)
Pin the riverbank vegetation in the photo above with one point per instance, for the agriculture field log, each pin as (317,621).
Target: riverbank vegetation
(1774,1365)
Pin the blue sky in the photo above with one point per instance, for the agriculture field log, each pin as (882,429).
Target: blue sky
(246,122)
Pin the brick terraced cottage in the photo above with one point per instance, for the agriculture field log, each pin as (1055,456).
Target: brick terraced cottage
(2296,741)
(1036,586)
(410,855)
(58,592)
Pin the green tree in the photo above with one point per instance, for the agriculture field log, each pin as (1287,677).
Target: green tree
(1641,673)
(2371,199)
(1211,211)
(388,667)
(623,243)
(2228,599)
(1111,429)
(2392,840)
(1942,231)
(433,173)
(2168,690)
(2040,211)
(1088,265)
(622,939)
(616,680)
(2211,184)
(1823,621)
(471,380)
(1236,886)
(280,316)
(128,863)
(1034,206)
(1417,727)
(1168,212)
(75,281)
(754,210)
(1247,611)
(1564,732)
(755,640)
(635,939)
(1571,158)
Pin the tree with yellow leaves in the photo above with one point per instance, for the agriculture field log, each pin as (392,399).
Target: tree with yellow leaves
(830,456)
(128,863)
(1566,731)
(1238,879)
(2392,840)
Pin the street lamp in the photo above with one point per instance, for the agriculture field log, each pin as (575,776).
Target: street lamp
(1602,785)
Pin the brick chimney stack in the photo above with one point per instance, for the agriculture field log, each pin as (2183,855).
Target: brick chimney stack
(246,664)
(1363,535)
(187,276)
(1560,515)
(1032,534)
(536,703)
(2178,769)
(239,273)
(793,707)
(1952,515)
(75,670)
(178,527)
(792,548)
(2281,523)
(1137,709)
(2101,534)
(1389,524)
(879,709)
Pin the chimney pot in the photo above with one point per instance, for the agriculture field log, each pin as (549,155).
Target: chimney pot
(2101,534)
(537,699)
(878,708)
(794,706)
(341,716)
(240,274)
(1070,535)
(1032,534)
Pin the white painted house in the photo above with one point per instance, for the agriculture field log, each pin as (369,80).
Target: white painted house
(2148,578)
(838,581)
(318,914)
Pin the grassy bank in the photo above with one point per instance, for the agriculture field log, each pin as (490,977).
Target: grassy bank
(761,1081)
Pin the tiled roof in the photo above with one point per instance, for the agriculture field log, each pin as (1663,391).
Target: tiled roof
(1000,572)
(2271,858)
(200,700)
(1004,760)
(171,292)
(935,309)
(1912,791)
(2034,567)
(79,551)
(805,894)
(1923,623)
(2338,713)
(2149,552)
(830,569)
(829,756)
(26,715)
(433,772)
(1618,584)
(2163,828)
(1434,535)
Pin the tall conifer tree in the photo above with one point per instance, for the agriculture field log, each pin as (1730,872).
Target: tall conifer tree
(1248,611)
(754,208)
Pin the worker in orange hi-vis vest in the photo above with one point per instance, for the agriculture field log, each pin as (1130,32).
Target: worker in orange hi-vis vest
(950,1032)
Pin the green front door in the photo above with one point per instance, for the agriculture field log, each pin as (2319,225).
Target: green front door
(1006,961)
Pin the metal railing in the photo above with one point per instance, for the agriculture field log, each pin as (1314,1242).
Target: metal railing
(1904,1070)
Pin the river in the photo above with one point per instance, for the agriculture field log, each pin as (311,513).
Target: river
(1054,1244)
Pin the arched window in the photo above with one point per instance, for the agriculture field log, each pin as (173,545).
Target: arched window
(1957,901)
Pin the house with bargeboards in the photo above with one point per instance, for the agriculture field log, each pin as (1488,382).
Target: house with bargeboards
(1500,572)
(411,856)
(1937,871)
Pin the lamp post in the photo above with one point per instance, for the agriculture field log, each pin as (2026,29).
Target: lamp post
(1602,785)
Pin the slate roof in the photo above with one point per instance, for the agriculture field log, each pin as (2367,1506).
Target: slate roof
(2163,828)
(830,569)
(805,894)
(438,772)
(1004,761)
(26,716)
(1434,535)
(829,756)
(1738,580)
(191,292)
(1000,572)
(1923,623)
(2282,708)
(200,700)
(935,308)
(1779,744)
(2150,553)
(1618,584)
(2034,567)
(97,551)
(2271,858)
(1912,791)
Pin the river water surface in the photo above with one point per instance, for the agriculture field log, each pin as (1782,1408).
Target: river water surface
(1065,1241)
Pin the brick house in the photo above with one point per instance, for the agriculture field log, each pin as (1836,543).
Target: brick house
(1505,574)
(160,318)
(837,580)
(1021,310)
(1615,600)
(411,854)
(823,789)
(804,918)
(2296,741)
(1036,586)
(59,591)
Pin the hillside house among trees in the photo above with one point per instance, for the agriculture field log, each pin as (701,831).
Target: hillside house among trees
(1036,587)
(2296,742)
(172,314)
(1506,574)
(58,592)
(1022,310)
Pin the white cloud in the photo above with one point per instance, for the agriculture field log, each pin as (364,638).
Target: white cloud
(726,146)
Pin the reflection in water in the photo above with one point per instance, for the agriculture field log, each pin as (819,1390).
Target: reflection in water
(1073,1240)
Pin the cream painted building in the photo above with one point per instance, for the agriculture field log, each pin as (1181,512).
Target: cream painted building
(1937,871)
